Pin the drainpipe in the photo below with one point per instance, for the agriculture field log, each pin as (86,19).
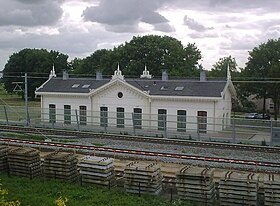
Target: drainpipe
(150,112)
(214,121)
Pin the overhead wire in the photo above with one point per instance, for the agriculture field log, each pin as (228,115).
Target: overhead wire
(234,80)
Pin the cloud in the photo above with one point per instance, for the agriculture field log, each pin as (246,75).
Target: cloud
(75,43)
(237,6)
(33,13)
(123,28)
(200,35)
(31,1)
(125,15)
(194,25)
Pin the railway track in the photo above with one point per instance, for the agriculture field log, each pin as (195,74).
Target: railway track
(82,134)
(138,153)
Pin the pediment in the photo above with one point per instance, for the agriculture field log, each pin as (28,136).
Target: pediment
(118,83)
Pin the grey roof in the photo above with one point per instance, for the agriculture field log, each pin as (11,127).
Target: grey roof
(65,86)
(154,86)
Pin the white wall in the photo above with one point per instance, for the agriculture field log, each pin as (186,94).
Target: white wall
(60,101)
(191,107)
(218,111)
(109,98)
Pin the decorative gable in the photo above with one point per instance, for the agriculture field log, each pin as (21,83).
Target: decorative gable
(118,83)
(118,74)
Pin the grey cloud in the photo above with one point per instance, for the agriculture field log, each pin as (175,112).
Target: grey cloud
(194,25)
(31,1)
(237,6)
(201,35)
(127,14)
(153,18)
(242,42)
(164,27)
(30,14)
(123,28)
(226,5)
(66,41)
(272,32)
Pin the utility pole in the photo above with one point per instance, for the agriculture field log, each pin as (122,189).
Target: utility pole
(26,100)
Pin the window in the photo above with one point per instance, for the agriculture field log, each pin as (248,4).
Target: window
(137,117)
(120,94)
(202,121)
(52,113)
(67,114)
(181,120)
(179,88)
(83,115)
(164,88)
(162,119)
(103,116)
(75,85)
(120,117)
(85,86)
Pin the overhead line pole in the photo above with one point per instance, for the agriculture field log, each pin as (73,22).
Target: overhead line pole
(26,100)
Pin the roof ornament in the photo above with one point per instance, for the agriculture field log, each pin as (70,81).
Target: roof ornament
(146,73)
(118,74)
(228,73)
(52,73)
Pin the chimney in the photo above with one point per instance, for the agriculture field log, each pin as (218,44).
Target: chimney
(98,75)
(164,75)
(65,75)
(202,77)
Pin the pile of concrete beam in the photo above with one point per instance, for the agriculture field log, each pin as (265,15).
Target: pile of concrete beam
(61,165)
(238,188)
(97,170)
(24,162)
(4,158)
(271,189)
(196,184)
(143,178)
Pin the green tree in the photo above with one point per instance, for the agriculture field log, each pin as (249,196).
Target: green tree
(75,65)
(156,52)
(100,60)
(219,69)
(37,63)
(264,65)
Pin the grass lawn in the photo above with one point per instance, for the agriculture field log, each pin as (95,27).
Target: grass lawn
(15,106)
(40,192)
(14,99)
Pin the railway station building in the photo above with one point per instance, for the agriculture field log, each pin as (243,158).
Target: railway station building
(145,103)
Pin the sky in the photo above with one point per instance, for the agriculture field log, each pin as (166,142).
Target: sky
(218,28)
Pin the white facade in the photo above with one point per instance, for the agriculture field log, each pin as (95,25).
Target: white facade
(117,93)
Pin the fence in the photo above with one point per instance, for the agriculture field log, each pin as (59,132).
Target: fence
(235,130)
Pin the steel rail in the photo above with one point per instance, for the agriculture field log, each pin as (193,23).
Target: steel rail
(173,141)
(143,153)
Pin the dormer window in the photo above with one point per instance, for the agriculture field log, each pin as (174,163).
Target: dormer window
(75,85)
(85,86)
(164,88)
(179,88)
